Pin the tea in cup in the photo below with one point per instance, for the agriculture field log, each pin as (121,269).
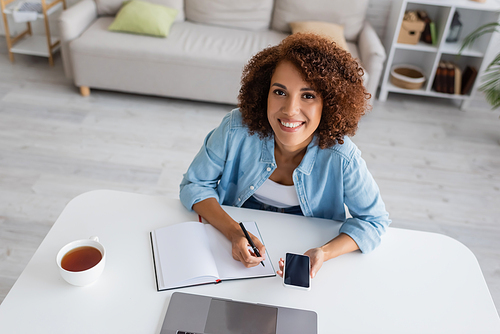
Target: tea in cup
(81,262)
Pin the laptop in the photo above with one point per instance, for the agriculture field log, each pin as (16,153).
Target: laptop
(196,314)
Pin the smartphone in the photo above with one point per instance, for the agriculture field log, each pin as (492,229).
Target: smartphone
(296,273)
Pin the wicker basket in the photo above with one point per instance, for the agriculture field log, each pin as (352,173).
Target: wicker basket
(407,76)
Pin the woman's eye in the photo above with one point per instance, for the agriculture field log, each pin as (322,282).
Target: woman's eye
(279,92)
(308,96)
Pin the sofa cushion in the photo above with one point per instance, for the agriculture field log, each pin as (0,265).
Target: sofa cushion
(332,31)
(111,7)
(145,18)
(350,14)
(243,14)
(187,43)
(207,59)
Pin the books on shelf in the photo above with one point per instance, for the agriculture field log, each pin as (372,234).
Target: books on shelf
(194,253)
(458,80)
(439,79)
(449,79)
(433,33)
(468,78)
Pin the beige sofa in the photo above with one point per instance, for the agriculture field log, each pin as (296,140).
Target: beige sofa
(209,43)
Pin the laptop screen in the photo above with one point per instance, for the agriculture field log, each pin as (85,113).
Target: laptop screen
(230,317)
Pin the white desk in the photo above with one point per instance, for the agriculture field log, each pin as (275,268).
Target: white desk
(415,282)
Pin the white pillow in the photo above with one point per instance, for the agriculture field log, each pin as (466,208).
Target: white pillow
(332,31)
(350,14)
(243,14)
(111,7)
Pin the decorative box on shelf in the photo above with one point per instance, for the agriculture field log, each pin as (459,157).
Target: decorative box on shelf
(411,28)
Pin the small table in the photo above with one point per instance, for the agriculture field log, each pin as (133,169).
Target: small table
(415,282)
(27,43)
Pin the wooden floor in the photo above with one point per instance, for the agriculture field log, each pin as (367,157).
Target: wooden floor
(438,167)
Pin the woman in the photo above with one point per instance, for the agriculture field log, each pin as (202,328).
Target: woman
(286,149)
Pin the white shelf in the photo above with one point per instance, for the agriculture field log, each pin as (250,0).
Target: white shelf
(427,57)
(423,92)
(35,45)
(448,96)
(421,46)
(396,89)
(454,48)
(448,48)
(488,5)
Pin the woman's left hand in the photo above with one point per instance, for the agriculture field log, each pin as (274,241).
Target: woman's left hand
(316,256)
(339,245)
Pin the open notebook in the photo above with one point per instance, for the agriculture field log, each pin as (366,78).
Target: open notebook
(193,253)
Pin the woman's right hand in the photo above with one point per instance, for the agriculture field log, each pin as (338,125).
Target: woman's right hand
(211,210)
(242,252)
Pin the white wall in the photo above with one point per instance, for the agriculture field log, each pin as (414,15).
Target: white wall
(378,15)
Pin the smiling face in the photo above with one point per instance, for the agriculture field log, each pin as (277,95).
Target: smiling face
(293,108)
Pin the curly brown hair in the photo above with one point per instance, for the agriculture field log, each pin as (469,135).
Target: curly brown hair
(332,73)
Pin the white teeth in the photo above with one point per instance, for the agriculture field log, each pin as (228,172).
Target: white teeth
(290,125)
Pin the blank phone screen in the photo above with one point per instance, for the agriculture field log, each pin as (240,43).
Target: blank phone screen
(297,270)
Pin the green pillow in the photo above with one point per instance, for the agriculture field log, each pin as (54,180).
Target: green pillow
(144,18)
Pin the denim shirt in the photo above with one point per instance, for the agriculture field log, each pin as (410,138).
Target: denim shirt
(232,165)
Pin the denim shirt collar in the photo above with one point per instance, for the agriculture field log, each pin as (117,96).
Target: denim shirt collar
(267,154)
(307,163)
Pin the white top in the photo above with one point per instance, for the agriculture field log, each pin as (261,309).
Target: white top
(414,282)
(278,195)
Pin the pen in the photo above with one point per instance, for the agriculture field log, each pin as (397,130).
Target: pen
(255,250)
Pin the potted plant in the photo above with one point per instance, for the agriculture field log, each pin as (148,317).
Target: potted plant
(491,76)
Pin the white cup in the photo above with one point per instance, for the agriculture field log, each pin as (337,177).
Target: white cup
(85,277)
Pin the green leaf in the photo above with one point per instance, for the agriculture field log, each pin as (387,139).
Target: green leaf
(491,76)
(470,39)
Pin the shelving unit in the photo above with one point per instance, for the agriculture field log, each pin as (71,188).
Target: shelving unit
(426,56)
(26,42)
